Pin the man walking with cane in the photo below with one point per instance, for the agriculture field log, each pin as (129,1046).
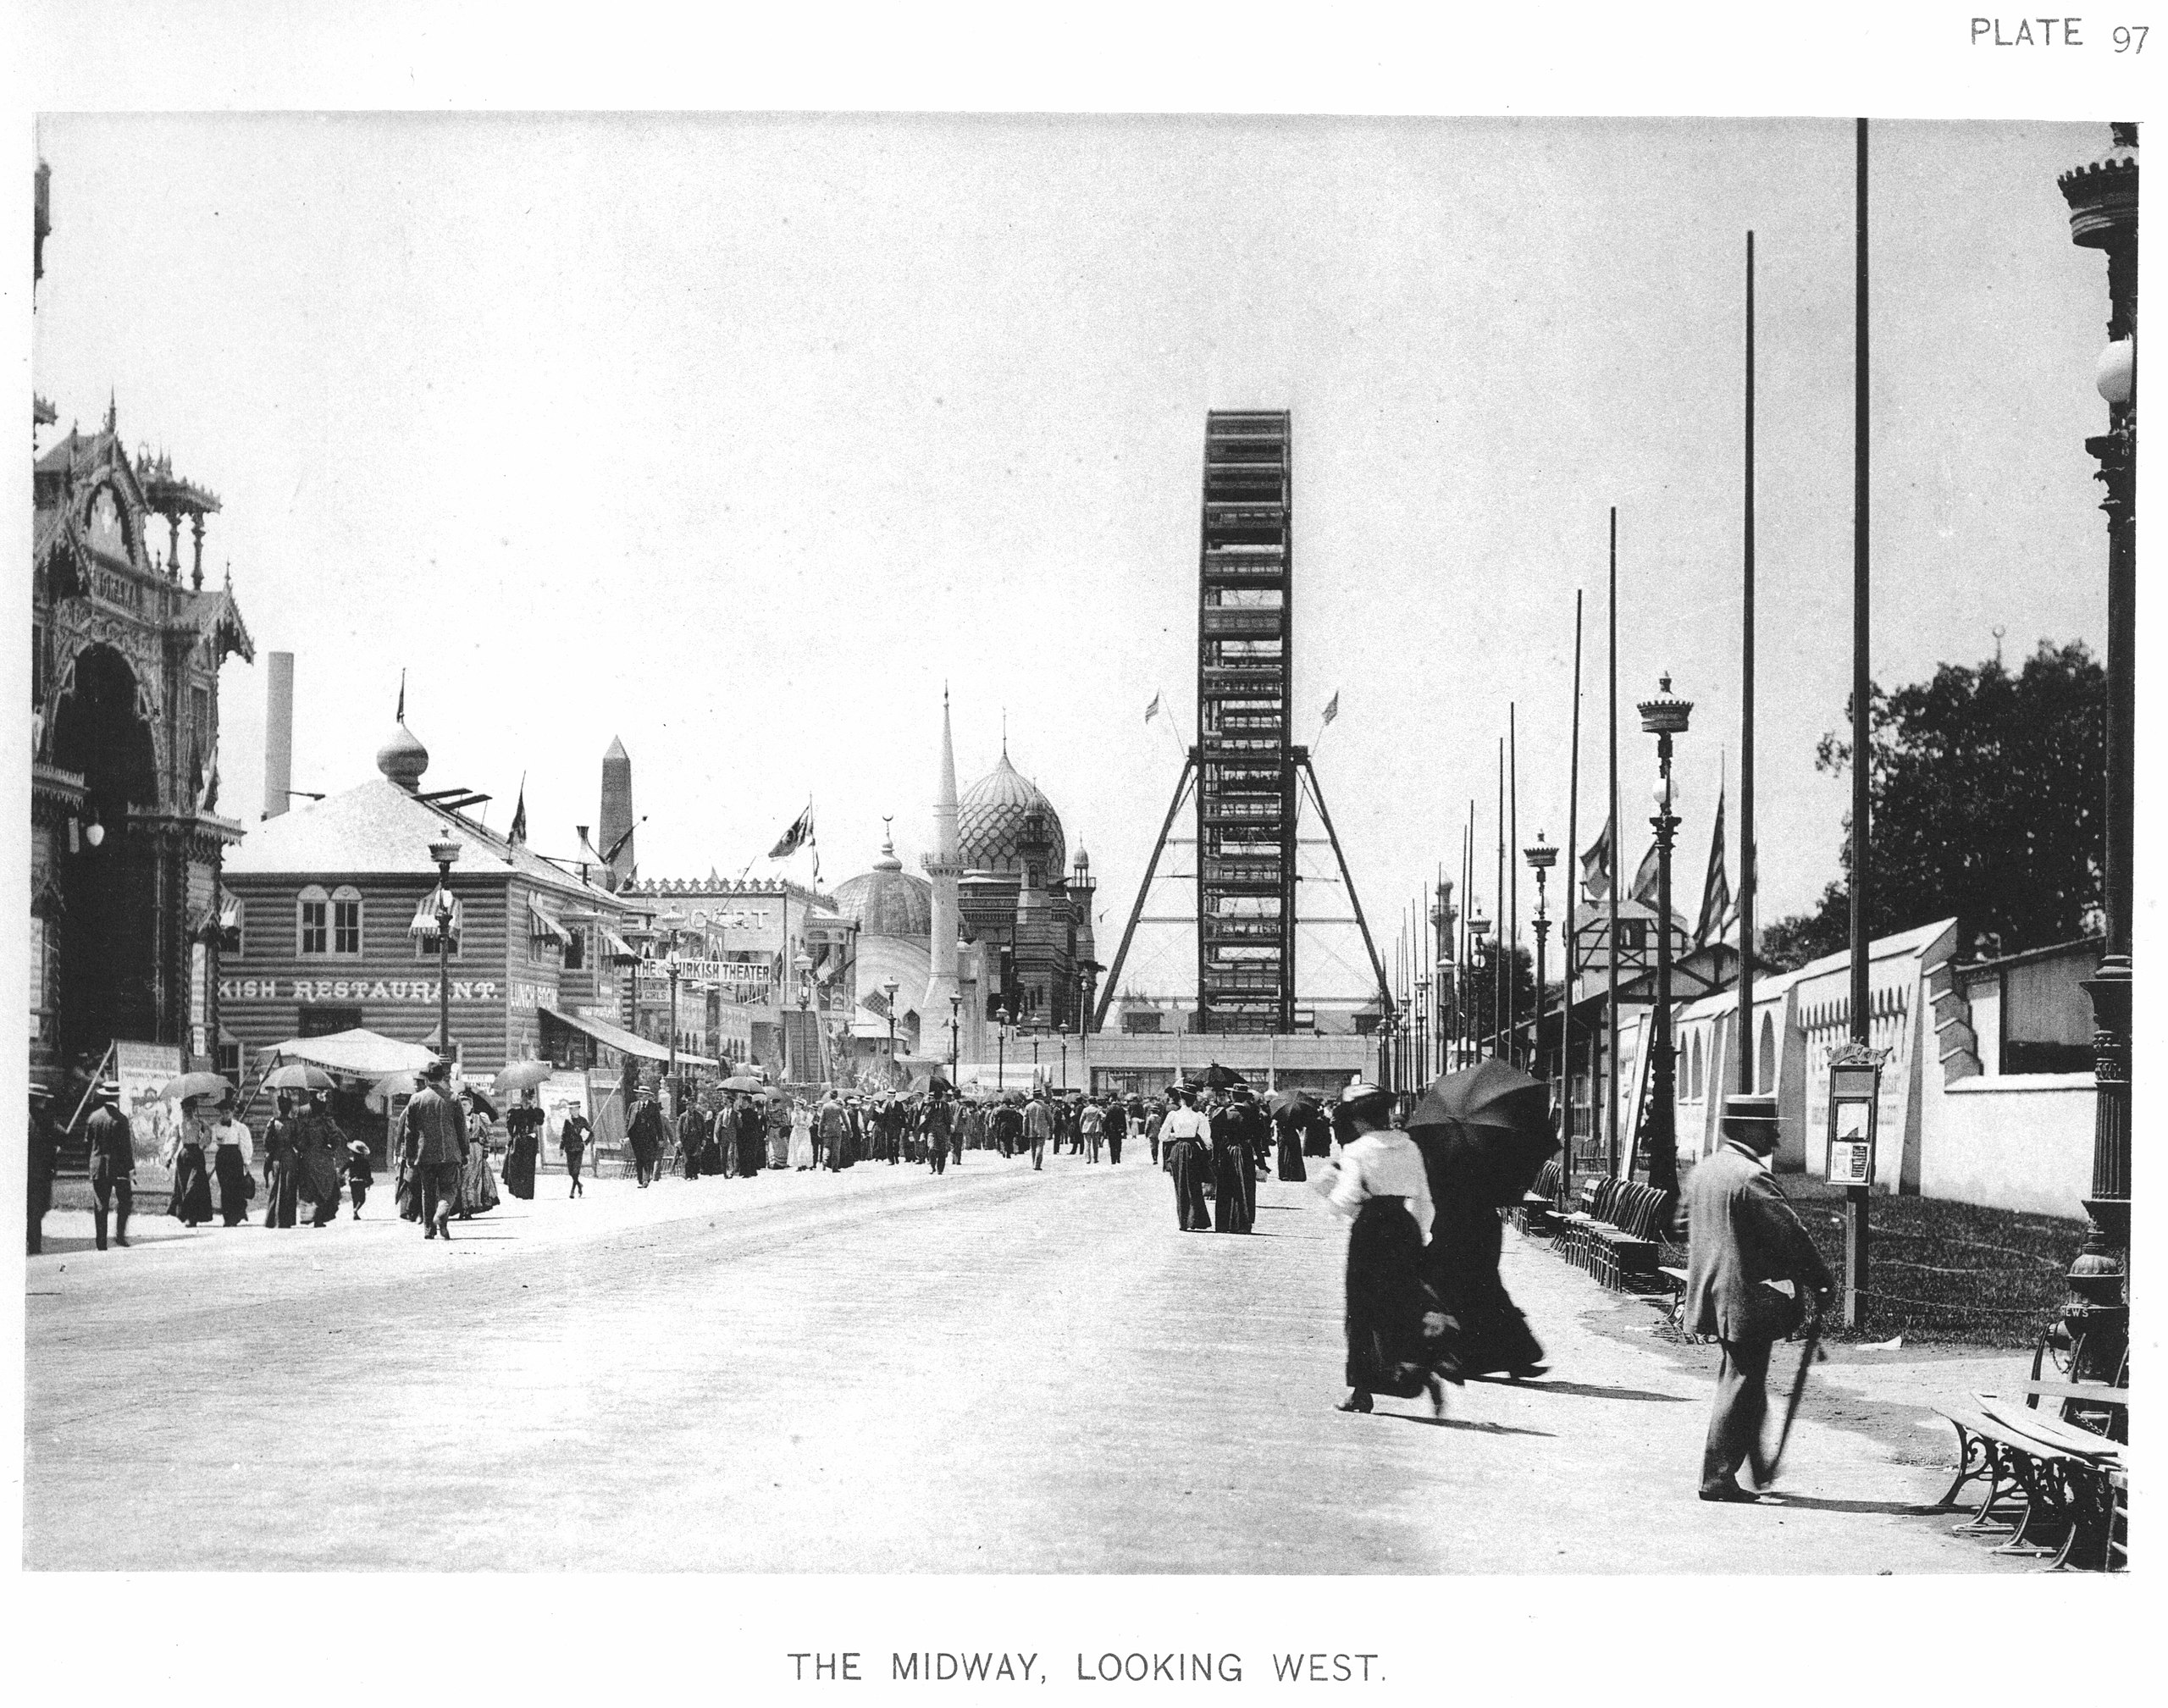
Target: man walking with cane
(1741,1236)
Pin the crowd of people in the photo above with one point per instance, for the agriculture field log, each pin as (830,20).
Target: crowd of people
(1424,1303)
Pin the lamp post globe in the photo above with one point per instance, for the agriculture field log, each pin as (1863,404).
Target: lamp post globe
(1001,1051)
(1664,716)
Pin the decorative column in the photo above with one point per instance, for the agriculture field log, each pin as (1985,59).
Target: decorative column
(2103,198)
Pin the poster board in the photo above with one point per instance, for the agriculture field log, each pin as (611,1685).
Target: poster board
(561,1094)
(143,1070)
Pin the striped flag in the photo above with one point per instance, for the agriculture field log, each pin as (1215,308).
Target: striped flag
(1332,706)
(1152,710)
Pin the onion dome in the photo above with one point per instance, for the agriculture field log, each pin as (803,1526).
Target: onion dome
(889,902)
(403,758)
(990,821)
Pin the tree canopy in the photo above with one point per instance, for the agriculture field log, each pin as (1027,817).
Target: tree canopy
(1985,793)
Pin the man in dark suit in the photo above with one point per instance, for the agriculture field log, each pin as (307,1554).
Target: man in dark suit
(45,1145)
(112,1164)
(1741,1236)
(645,1135)
(434,1141)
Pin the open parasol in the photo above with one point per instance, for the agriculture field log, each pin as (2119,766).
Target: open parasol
(522,1076)
(298,1076)
(1218,1079)
(1290,1102)
(196,1086)
(743,1082)
(1489,1126)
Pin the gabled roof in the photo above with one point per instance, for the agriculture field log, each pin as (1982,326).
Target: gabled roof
(377,829)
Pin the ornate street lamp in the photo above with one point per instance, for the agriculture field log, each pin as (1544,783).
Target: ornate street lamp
(1442,918)
(2103,198)
(1421,1030)
(1001,1051)
(1541,856)
(955,1032)
(668,925)
(1663,717)
(1083,1010)
(444,851)
(889,991)
(1479,930)
(804,965)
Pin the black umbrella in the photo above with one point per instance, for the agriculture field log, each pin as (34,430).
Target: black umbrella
(1291,1102)
(743,1082)
(1218,1079)
(1490,1127)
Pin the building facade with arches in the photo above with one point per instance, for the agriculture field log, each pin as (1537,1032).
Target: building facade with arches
(127,841)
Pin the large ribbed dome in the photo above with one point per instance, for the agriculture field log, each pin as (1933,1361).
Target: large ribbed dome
(990,818)
(889,902)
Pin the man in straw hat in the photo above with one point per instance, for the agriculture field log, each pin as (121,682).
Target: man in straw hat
(112,1164)
(1742,1237)
(433,1139)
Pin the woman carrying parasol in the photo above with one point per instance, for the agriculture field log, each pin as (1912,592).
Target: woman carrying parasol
(1485,1134)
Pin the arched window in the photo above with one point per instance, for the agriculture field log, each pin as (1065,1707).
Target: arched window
(345,921)
(313,921)
(1765,1065)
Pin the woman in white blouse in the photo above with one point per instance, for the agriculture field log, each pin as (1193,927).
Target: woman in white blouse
(230,1164)
(1378,1181)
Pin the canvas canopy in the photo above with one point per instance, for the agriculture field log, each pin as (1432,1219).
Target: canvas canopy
(360,1051)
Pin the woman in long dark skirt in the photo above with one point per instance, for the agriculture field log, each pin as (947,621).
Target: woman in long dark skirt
(281,1180)
(230,1164)
(1231,1179)
(523,1147)
(1486,1333)
(1287,1135)
(190,1202)
(1182,1138)
(1379,1182)
(1317,1134)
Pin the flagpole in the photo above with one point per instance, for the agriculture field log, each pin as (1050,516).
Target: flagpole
(1611,1019)
(1514,883)
(1744,905)
(1566,989)
(1467,938)
(1498,962)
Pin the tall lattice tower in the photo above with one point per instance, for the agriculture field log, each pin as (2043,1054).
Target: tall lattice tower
(1246,780)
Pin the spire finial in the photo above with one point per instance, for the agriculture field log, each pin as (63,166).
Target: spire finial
(1004,732)
(400,717)
(887,836)
(113,412)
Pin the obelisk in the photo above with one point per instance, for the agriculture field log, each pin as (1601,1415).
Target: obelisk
(943,865)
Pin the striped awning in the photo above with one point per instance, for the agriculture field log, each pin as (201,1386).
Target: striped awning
(228,912)
(540,924)
(424,922)
(619,949)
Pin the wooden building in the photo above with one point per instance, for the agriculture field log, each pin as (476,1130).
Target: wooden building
(330,916)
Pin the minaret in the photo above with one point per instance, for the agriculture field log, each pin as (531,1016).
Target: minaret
(615,827)
(944,866)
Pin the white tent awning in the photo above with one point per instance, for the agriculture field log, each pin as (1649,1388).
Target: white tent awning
(360,1051)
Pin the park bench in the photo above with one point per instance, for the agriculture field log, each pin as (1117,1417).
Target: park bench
(1618,1233)
(2058,1472)
(1537,1212)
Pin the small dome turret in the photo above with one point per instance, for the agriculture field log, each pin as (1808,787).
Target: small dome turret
(403,758)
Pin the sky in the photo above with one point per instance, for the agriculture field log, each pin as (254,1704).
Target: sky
(737,437)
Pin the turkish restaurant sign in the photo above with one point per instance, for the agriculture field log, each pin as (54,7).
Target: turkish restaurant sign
(416,990)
